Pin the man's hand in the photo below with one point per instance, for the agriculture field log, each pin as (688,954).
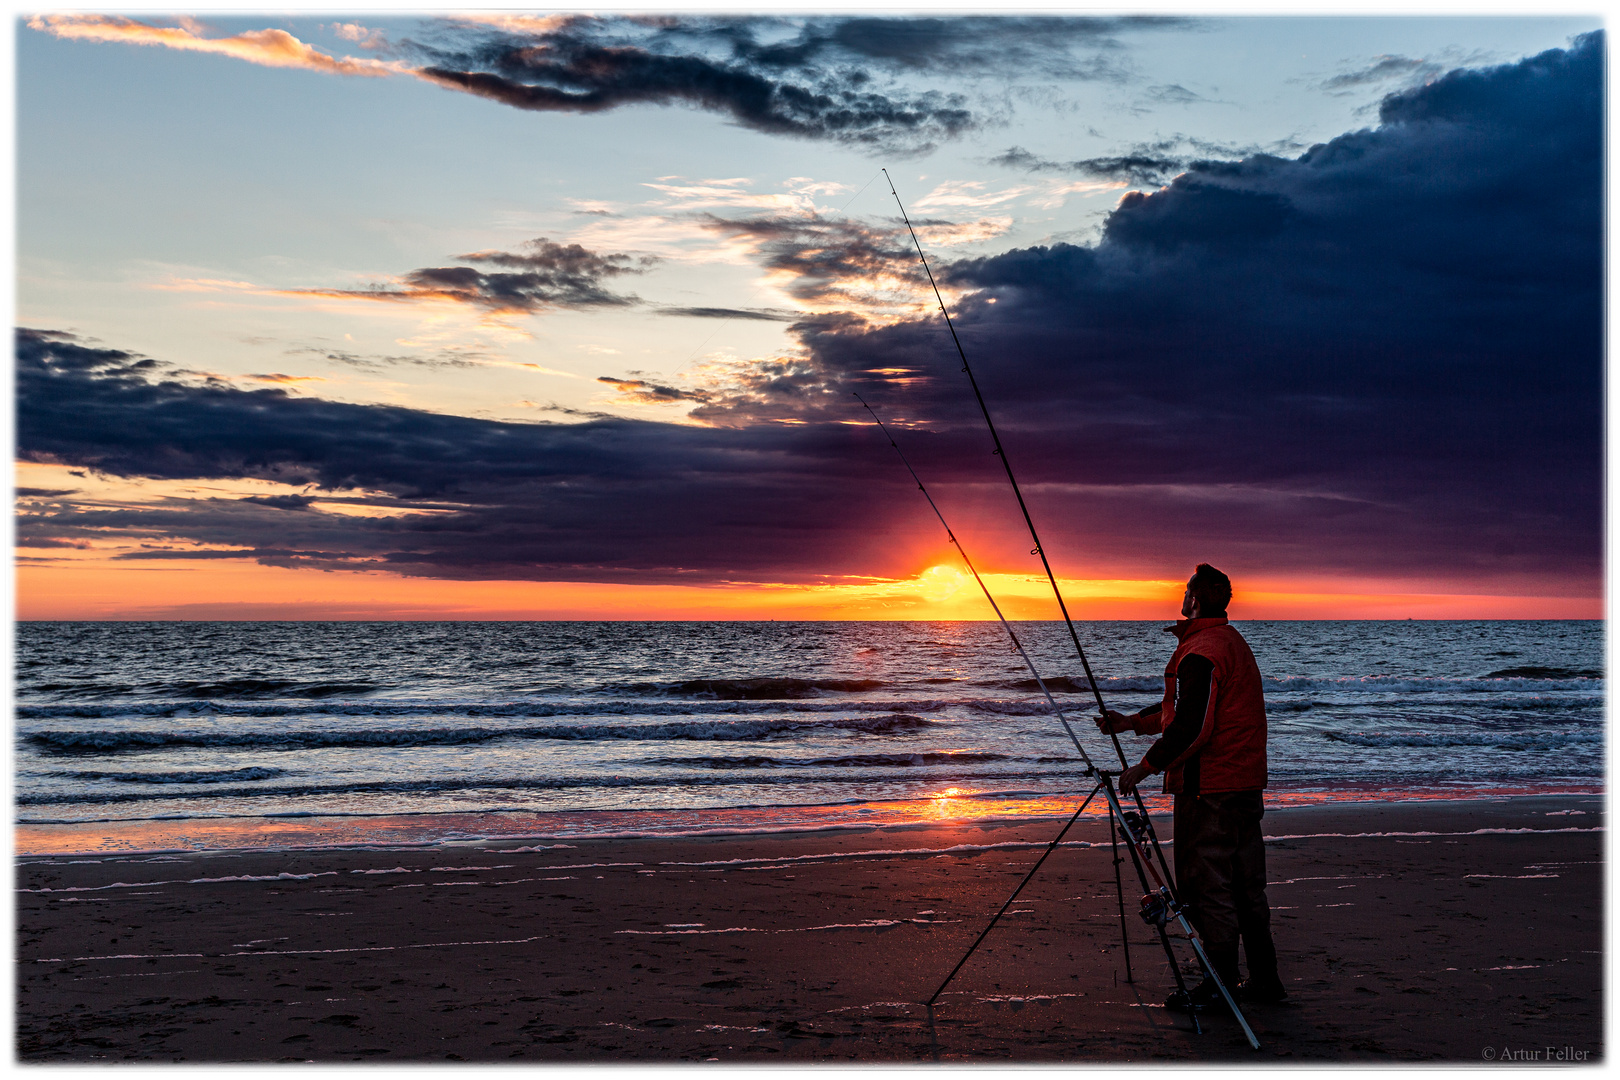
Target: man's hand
(1133,776)
(1112,723)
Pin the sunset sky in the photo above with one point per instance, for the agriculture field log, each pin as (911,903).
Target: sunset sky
(561,317)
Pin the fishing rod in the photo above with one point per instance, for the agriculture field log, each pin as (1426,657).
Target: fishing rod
(1039,549)
(1159,902)
(1091,770)
(1000,451)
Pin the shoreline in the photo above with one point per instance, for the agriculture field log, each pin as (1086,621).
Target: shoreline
(1409,931)
(314,832)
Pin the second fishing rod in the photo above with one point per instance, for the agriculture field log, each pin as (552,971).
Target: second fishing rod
(1039,549)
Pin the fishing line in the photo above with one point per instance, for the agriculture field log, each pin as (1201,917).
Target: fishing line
(1000,451)
(723,324)
(1090,768)
(857,195)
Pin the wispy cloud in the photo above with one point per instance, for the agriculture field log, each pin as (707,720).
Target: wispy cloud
(270,48)
(830,264)
(890,84)
(543,276)
(1144,164)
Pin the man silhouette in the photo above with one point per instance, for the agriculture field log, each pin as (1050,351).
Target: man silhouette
(1211,725)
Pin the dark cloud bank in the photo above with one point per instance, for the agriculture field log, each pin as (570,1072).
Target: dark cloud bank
(1383,357)
(849,80)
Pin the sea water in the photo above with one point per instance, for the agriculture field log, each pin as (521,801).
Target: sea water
(242,734)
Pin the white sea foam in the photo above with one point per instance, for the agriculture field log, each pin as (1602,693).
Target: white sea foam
(1381,835)
(177,881)
(1511,877)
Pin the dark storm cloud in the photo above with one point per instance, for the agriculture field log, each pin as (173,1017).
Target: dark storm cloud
(600,500)
(1386,353)
(813,78)
(1383,357)
(1071,48)
(543,276)
(568,72)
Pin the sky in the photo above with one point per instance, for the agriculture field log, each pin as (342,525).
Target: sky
(563,316)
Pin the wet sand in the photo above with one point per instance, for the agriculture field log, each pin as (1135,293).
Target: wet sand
(1454,944)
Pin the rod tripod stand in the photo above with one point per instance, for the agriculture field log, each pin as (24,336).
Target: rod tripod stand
(1160,907)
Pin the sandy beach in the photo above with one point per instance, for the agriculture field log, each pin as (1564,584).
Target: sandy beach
(1425,931)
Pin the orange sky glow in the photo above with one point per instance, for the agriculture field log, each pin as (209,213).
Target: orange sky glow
(94,587)
(89,582)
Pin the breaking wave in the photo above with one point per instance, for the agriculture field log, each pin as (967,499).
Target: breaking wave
(216,776)
(847,761)
(757,689)
(1502,740)
(707,730)
(230,689)
(494,785)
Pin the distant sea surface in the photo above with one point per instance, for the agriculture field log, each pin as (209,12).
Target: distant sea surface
(149,736)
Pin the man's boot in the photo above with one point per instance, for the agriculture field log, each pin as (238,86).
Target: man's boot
(1263,984)
(1224,958)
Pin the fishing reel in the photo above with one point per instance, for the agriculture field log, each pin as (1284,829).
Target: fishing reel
(1136,823)
(1159,907)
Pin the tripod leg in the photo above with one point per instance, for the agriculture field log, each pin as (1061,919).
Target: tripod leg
(1027,878)
(1119,891)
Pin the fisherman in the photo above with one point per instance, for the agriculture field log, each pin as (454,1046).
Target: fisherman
(1212,749)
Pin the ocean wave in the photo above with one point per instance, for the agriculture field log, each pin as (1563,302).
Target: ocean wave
(1064,684)
(1023,707)
(506,785)
(1362,692)
(773,688)
(218,776)
(847,761)
(1035,706)
(1407,684)
(704,730)
(1503,740)
(229,689)
(471,709)
(1533,671)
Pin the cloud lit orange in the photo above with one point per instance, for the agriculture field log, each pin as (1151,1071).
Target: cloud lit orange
(270,48)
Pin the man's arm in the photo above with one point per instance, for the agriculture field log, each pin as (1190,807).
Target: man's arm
(1193,678)
(1146,722)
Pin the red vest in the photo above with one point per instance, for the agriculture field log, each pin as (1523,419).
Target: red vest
(1231,746)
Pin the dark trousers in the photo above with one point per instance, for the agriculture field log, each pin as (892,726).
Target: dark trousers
(1221,877)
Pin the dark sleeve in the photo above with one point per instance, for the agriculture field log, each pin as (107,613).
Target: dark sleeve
(1193,678)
